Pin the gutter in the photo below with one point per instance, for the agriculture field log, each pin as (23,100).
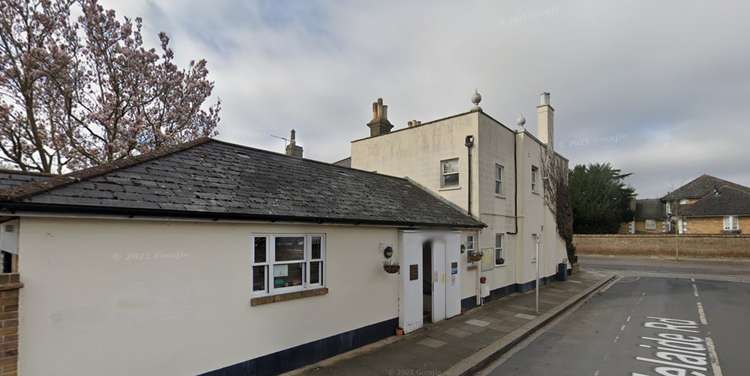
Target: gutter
(469,142)
(12,208)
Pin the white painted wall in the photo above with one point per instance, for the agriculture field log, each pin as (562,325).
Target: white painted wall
(123,297)
(416,153)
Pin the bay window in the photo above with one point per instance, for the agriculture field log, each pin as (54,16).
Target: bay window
(286,263)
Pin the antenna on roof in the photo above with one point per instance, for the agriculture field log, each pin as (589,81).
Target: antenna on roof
(286,140)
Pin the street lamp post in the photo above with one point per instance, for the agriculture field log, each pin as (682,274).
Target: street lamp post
(537,260)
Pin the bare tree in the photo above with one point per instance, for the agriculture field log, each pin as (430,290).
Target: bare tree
(82,92)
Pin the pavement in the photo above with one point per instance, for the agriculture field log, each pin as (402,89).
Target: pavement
(463,344)
(625,328)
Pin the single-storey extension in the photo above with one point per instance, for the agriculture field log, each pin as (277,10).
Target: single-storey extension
(215,258)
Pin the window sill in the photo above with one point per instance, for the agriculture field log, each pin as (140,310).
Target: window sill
(502,197)
(449,189)
(261,300)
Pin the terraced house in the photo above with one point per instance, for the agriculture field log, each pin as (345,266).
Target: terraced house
(221,259)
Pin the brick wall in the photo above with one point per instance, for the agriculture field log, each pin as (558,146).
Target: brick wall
(664,245)
(9,286)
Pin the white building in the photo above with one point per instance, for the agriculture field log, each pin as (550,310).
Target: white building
(215,258)
(489,170)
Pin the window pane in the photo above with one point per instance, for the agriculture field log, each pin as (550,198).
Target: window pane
(259,278)
(290,248)
(498,256)
(260,249)
(450,180)
(498,240)
(450,166)
(315,247)
(498,187)
(287,275)
(316,272)
(470,242)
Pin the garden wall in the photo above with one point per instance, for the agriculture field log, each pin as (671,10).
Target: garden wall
(669,245)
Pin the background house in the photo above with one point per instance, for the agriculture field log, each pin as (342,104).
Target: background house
(708,205)
(649,218)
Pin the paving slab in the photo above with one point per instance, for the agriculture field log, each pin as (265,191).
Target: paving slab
(457,345)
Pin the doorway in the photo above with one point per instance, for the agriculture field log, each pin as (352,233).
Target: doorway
(430,282)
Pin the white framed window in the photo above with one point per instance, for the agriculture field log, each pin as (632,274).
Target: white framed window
(650,224)
(684,201)
(286,262)
(499,250)
(449,173)
(499,172)
(668,208)
(534,178)
(683,226)
(731,223)
(470,245)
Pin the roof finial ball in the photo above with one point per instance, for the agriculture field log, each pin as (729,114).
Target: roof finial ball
(476,98)
(521,121)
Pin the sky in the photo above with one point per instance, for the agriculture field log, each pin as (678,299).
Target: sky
(658,89)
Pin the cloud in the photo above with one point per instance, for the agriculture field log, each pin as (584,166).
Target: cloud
(656,88)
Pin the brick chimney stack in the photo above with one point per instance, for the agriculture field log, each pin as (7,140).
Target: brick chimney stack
(292,148)
(546,121)
(379,125)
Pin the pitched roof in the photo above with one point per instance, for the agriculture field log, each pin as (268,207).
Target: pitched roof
(346,162)
(214,179)
(700,187)
(726,201)
(13,178)
(650,208)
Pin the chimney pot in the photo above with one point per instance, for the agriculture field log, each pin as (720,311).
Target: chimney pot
(379,124)
(544,99)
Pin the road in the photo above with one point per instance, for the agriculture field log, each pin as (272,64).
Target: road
(655,315)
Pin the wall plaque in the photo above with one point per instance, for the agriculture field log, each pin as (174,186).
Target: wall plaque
(414,272)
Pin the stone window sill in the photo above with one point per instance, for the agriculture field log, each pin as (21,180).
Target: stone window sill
(449,188)
(261,300)
(500,196)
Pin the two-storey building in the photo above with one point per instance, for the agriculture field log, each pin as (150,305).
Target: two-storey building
(495,173)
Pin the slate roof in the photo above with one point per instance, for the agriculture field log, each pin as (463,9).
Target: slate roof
(700,187)
(218,180)
(728,201)
(13,178)
(650,208)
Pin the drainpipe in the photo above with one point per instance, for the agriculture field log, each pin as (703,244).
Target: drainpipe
(515,192)
(469,142)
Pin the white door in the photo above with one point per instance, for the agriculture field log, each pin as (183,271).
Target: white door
(453,275)
(438,280)
(410,297)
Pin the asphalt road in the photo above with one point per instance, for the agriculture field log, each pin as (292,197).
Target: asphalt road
(642,322)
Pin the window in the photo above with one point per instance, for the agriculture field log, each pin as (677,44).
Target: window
(499,249)
(284,263)
(650,224)
(683,226)
(731,223)
(449,173)
(470,243)
(684,201)
(534,177)
(499,179)
(669,208)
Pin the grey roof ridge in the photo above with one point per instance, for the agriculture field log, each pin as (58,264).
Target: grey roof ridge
(443,199)
(33,188)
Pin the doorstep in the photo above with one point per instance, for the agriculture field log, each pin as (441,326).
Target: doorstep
(465,343)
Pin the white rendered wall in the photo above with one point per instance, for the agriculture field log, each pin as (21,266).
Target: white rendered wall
(123,297)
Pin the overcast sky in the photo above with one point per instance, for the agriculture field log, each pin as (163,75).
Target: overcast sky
(657,88)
